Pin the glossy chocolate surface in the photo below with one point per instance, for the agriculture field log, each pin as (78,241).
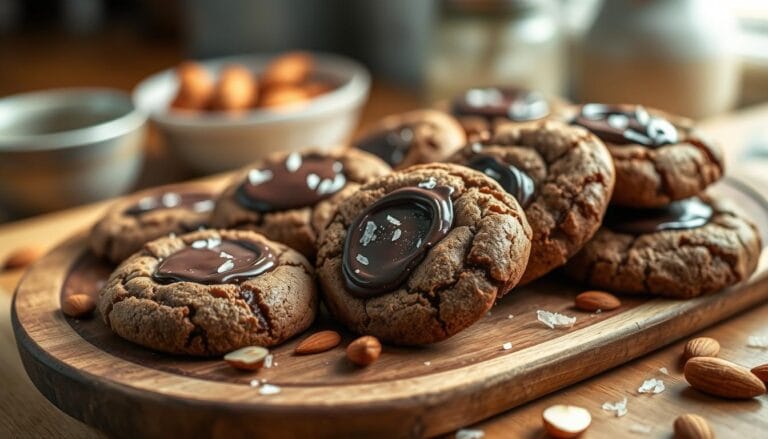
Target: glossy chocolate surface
(216,261)
(492,102)
(622,125)
(299,181)
(516,182)
(195,201)
(679,215)
(393,235)
(389,145)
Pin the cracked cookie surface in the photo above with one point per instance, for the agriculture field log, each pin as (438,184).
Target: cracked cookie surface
(572,179)
(208,319)
(481,257)
(126,226)
(296,227)
(673,263)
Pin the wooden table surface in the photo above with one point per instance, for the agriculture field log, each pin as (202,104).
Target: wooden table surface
(25,413)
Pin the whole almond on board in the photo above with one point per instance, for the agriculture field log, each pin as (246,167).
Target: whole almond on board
(701,347)
(22,257)
(594,300)
(761,372)
(691,426)
(565,421)
(719,377)
(318,342)
(78,305)
(364,351)
(247,358)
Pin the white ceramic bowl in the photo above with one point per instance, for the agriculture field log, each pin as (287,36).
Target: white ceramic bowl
(214,142)
(60,148)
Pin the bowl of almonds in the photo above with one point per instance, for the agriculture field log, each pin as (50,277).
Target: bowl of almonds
(218,114)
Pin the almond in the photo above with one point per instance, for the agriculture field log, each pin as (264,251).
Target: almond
(318,342)
(22,257)
(364,351)
(565,421)
(761,372)
(597,300)
(701,347)
(78,305)
(247,358)
(719,377)
(691,426)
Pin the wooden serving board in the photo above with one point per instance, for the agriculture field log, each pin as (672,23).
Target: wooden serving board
(126,390)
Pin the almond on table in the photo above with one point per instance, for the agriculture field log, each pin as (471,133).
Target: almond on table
(690,426)
(364,351)
(597,300)
(701,347)
(78,305)
(318,342)
(722,378)
(22,257)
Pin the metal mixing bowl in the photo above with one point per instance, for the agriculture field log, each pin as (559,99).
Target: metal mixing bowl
(60,148)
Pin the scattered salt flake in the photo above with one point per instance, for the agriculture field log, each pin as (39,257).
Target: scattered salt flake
(466,433)
(369,234)
(361,259)
(492,173)
(226,255)
(429,184)
(758,341)
(427,363)
(337,167)
(293,162)
(257,177)
(313,180)
(476,147)
(598,311)
(555,320)
(255,383)
(268,361)
(396,234)
(213,242)
(507,346)
(226,266)
(200,244)
(171,235)
(171,199)
(393,220)
(640,428)
(203,206)
(418,243)
(651,386)
(269,389)
(619,407)
(664,370)
(510,317)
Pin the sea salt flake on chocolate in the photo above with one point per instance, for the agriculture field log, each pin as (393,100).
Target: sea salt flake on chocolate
(226,255)
(396,234)
(369,234)
(146,203)
(637,137)
(466,433)
(429,184)
(293,162)
(477,147)
(203,206)
(555,320)
(393,220)
(618,121)
(507,346)
(491,173)
(324,186)
(339,181)
(170,199)
(337,167)
(226,266)
(619,407)
(257,177)
(269,389)
(213,242)
(361,259)
(641,114)
(200,243)
(652,386)
(313,180)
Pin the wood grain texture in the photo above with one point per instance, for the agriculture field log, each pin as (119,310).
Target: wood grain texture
(91,374)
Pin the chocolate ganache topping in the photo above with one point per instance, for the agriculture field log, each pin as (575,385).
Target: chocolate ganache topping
(622,125)
(516,182)
(491,102)
(299,181)
(389,145)
(196,201)
(679,215)
(389,238)
(216,261)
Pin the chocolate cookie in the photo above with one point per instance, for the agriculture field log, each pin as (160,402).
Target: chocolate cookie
(419,255)
(562,176)
(659,158)
(421,136)
(481,109)
(289,197)
(210,292)
(688,248)
(148,215)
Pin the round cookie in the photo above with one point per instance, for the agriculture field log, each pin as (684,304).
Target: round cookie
(561,175)
(148,215)
(688,248)
(659,158)
(289,197)
(210,292)
(420,136)
(481,109)
(419,255)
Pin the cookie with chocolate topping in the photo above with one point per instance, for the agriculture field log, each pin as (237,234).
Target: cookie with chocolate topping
(659,158)
(563,177)
(420,136)
(148,215)
(480,110)
(687,248)
(210,292)
(289,196)
(417,256)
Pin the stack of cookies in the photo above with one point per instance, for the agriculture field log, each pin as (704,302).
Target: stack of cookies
(413,231)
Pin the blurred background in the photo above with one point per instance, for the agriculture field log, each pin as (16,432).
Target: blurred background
(698,58)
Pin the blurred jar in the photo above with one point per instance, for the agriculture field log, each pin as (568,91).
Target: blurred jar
(676,55)
(493,42)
